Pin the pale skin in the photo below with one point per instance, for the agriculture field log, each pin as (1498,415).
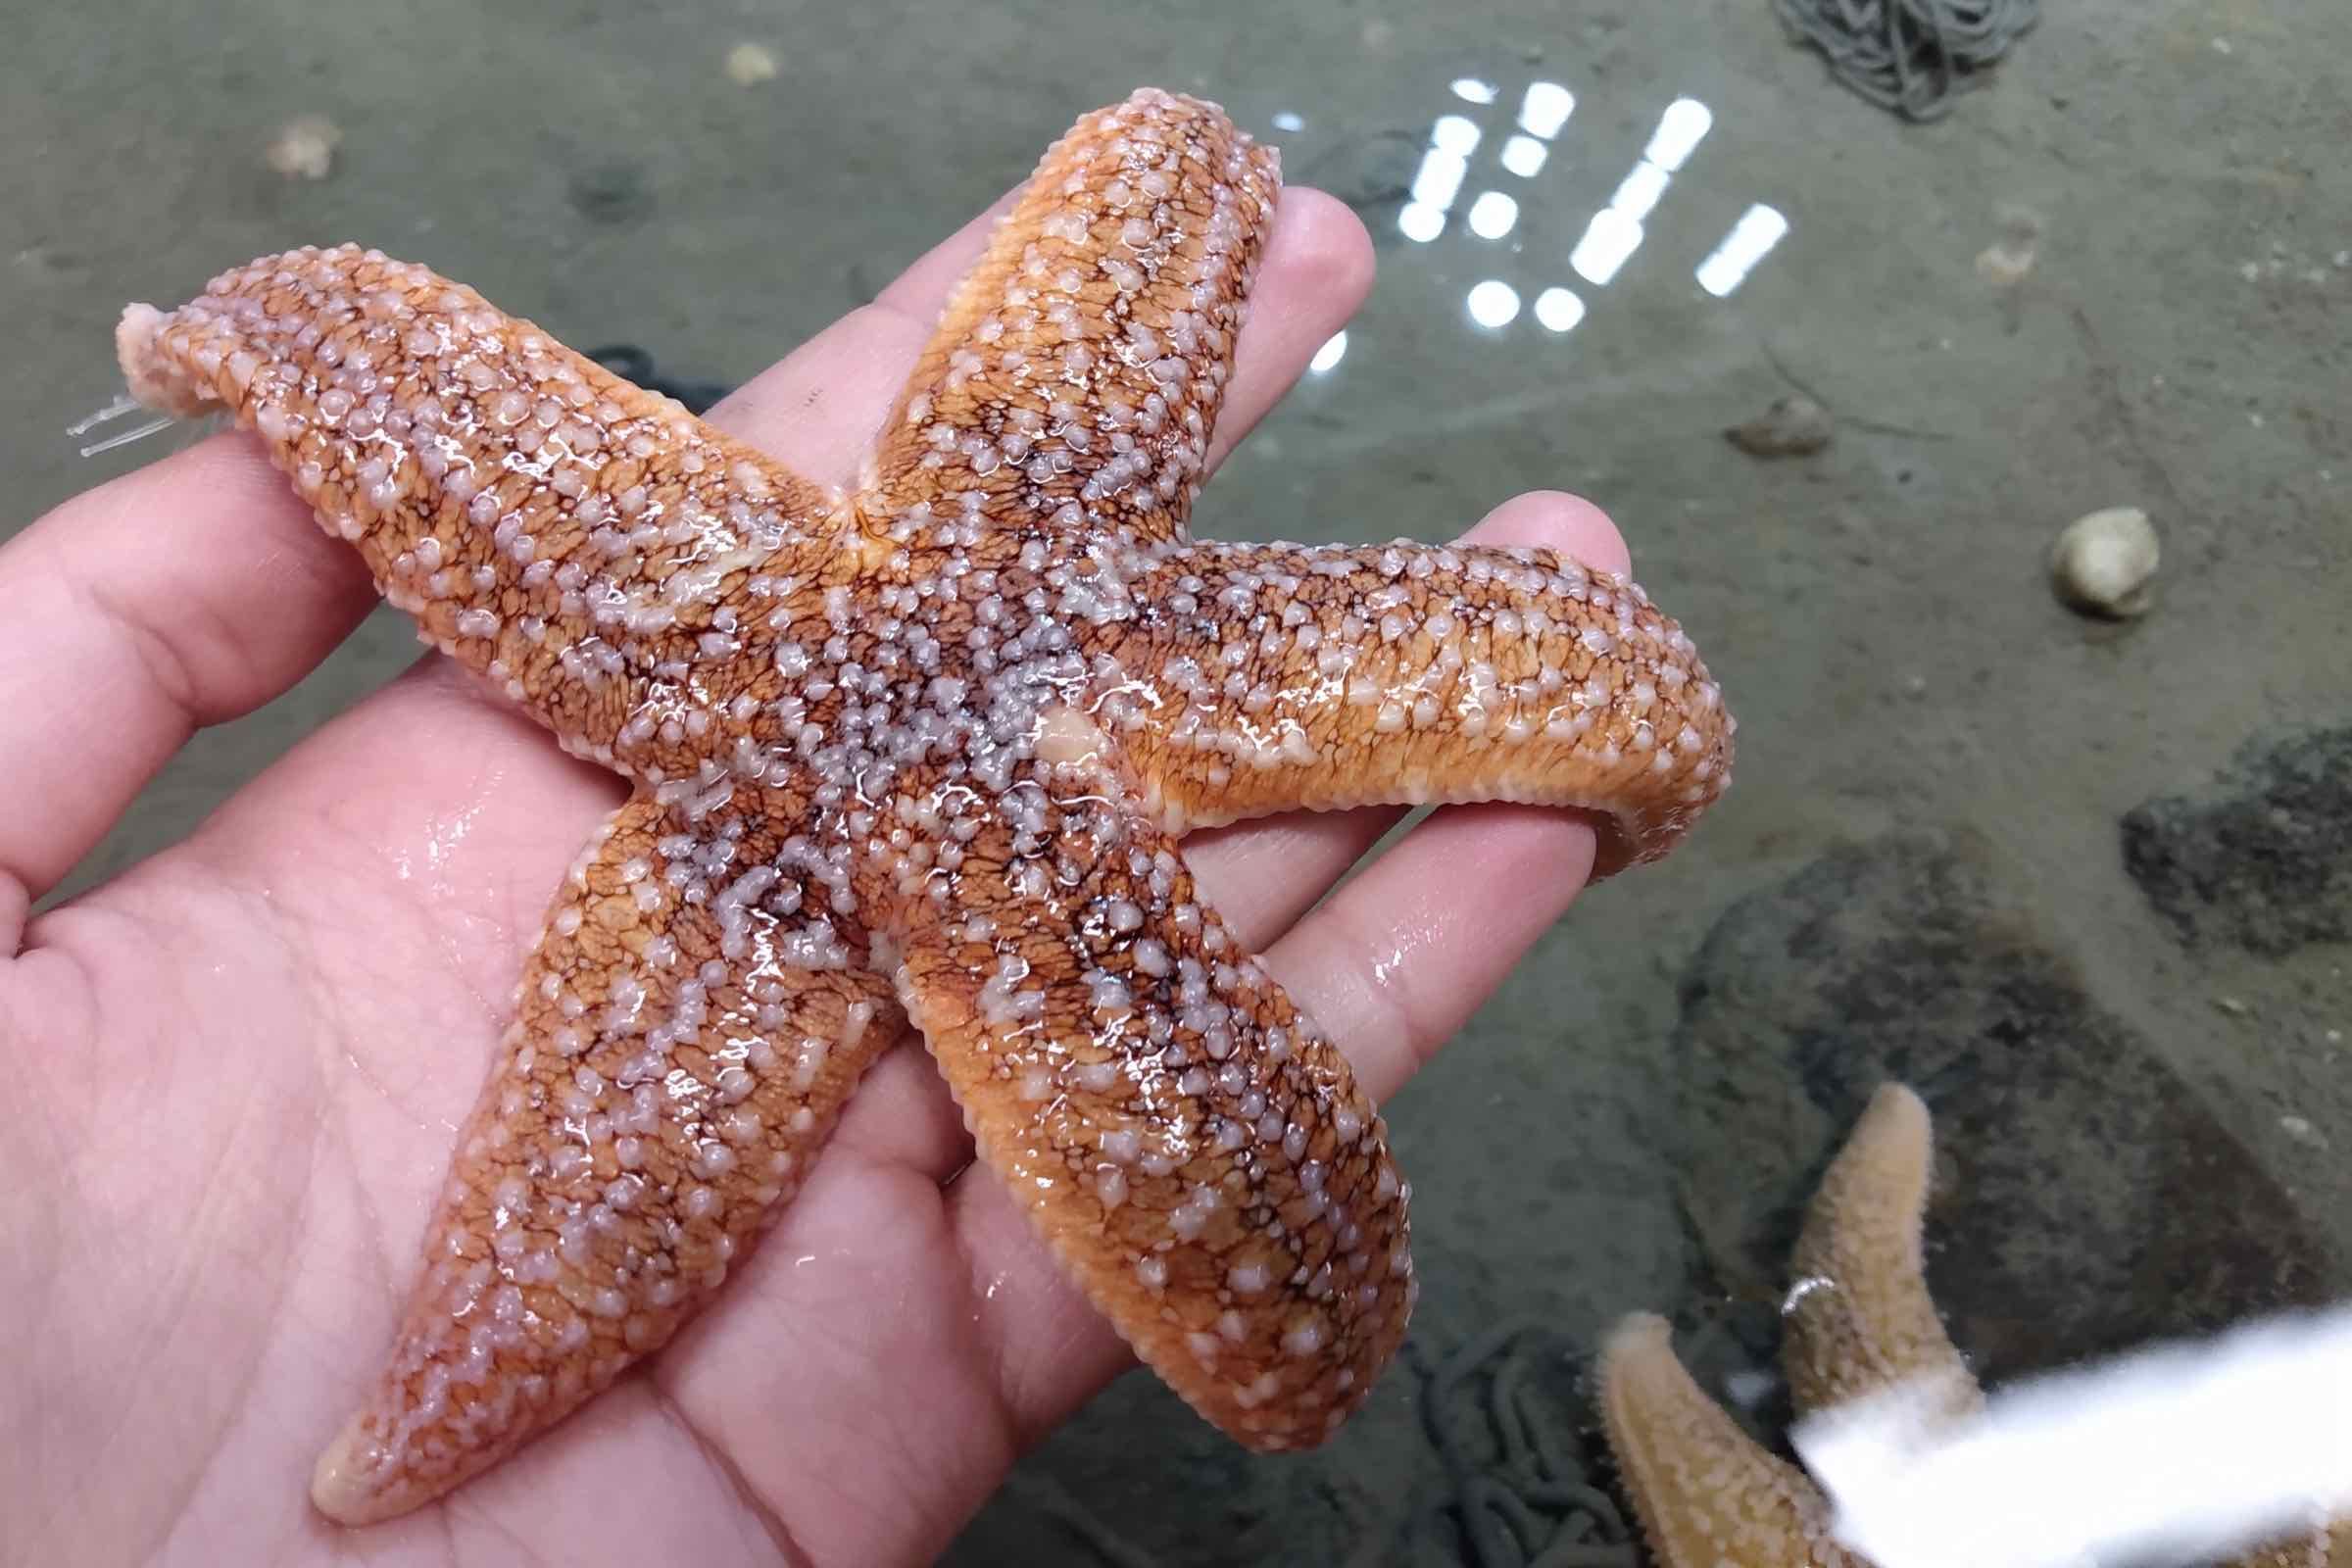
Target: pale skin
(235,1069)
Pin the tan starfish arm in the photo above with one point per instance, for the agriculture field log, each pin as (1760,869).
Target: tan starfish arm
(1859,1316)
(1077,372)
(2329,1546)
(1196,1150)
(1859,1319)
(580,542)
(686,1029)
(1708,1496)
(1256,679)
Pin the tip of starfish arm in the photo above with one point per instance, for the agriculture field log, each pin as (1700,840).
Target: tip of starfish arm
(1636,1334)
(347,1484)
(155,381)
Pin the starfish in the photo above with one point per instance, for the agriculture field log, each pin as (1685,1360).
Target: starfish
(917,759)
(1859,1320)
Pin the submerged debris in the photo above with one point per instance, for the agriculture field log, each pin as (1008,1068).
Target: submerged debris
(304,147)
(1509,1417)
(1795,425)
(1909,56)
(2105,564)
(2009,260)
(749,64)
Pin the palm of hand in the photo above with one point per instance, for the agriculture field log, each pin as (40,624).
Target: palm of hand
(241,1064)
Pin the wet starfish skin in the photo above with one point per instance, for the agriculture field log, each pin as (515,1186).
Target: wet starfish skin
(917,758)
(1859,1321)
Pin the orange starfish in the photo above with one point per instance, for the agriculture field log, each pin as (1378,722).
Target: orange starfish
(919,755)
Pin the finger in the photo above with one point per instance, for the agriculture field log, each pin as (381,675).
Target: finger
(1262,876)
(1398,960)
(1391,967)
(820,408)
(1315,277)
(185,594)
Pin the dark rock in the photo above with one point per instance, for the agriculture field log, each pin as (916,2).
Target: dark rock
(2086,1199)
(2265,862)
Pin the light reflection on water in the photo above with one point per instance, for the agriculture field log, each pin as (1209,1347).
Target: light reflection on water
(1458,189)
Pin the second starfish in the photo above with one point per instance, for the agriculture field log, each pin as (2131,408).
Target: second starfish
(1859,1321)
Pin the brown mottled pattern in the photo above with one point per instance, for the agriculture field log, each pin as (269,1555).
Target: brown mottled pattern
(1078,369)
(1262,677)
(674,1067)
(581,542)
(930,741)
(1193,1145)
(1860,1322)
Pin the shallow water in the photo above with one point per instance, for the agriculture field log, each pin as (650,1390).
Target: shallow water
(2134,1041)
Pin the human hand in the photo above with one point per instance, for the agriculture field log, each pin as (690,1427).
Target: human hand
(237,1068)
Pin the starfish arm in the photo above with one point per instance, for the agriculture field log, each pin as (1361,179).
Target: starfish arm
(1198,1152)
(687,1027)
(1076,375)
(1708,1496)
(2327,1547)
(1256,678)
(1859,1318)
(576,540)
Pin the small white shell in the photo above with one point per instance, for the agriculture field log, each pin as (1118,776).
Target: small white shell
(2105,564)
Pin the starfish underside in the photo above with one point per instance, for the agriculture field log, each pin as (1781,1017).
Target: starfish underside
(1858,1321)
(916,758)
